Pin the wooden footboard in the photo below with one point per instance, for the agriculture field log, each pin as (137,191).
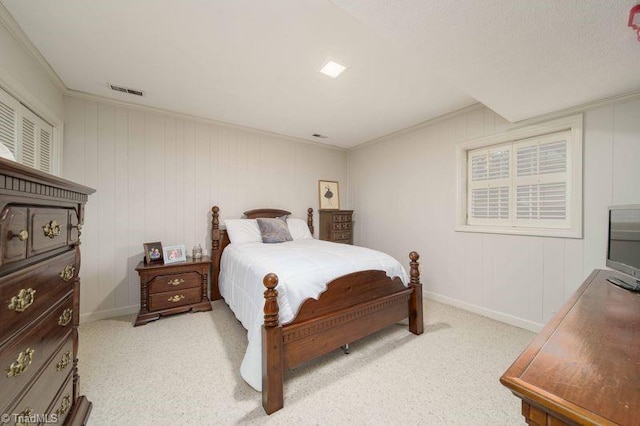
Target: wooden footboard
(353,306)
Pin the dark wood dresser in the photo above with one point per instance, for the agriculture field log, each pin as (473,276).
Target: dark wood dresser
(40,221)
(336,226)
(584,366)
(173,288)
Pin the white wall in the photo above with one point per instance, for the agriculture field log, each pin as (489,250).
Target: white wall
(403,190)
(22,75)
(157,177)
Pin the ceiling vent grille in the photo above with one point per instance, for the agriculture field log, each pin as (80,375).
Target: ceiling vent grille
(318,135)
(126,90)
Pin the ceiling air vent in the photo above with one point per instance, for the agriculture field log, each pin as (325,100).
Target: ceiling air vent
(318,135)
(126,90)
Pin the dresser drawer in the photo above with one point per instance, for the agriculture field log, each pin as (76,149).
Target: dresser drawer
(49,229)
(27,294)
(339,226)
(23,356)
(49,400)
(173,282)
(341,218)
(344,235)
(14,234)
(174,298)
(61,407)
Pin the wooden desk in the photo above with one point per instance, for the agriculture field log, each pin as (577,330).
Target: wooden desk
(584,366)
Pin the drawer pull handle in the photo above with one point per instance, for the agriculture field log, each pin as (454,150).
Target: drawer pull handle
(21,364)
(65,318)
(22,235)
(64,361)
(64,405)
(23,419)
(67,273)
(51,229)
(176,281)
(23,300)
(176,298)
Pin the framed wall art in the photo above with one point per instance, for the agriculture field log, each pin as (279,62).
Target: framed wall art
(329,195)
(174,254)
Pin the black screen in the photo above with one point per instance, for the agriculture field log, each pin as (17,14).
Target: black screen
(624,237)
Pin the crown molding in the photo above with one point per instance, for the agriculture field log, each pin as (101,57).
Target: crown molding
(130,105)
(430,122)
(9,22)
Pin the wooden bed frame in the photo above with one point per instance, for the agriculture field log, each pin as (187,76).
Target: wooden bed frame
(353,306)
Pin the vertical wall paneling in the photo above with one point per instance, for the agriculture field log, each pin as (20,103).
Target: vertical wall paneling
(120,201)
(519,279)
(157,176)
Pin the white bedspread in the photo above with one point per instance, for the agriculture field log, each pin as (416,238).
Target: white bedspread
(304,267)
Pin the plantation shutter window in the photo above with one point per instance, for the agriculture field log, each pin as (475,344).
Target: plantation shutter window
(489,173)
(9,121)
(526,181)
(26,135)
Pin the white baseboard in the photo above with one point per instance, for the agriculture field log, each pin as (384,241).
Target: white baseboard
(489,313)
(109,313)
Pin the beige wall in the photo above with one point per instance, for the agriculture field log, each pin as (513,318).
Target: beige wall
(403,190)
(157,177)
(23,77)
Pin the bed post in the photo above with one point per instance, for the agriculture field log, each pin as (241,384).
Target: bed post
(310,219)
(216,252)
(272,359)
(416,322)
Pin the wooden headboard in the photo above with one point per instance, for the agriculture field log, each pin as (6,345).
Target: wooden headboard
(220,238)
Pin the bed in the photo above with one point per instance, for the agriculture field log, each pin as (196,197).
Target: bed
(348,307)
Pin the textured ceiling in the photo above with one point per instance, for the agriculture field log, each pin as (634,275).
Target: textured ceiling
(521,58)
(255,63)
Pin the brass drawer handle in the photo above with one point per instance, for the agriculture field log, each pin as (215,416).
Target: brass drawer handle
(22,235)
(21,364)
(64,405)
(67,273)
(176,281)
(23,419)
(51,229)
(176,298)
(65,318)
(64,361)
(23,300)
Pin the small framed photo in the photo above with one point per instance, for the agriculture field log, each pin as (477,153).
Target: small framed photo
(329,195)
(173,254)
(152,252)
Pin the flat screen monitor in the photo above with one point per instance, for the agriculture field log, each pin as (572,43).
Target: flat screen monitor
(623,251)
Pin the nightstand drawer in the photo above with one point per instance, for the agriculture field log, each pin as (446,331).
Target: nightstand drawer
(27,294)
(175,298)
(23,356)
(174,282)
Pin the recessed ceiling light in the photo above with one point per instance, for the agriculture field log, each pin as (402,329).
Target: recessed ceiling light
(332,69)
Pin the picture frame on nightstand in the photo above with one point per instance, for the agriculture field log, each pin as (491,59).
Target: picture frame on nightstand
(174,254)
(153,253)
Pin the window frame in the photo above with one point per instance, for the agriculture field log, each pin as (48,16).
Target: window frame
(573,125)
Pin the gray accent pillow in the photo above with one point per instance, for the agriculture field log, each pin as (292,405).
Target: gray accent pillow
(274,230)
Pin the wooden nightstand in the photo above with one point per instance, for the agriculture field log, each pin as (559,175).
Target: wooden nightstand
(174,288)
(336,226)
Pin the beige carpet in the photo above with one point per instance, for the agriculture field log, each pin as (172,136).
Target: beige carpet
(184,369)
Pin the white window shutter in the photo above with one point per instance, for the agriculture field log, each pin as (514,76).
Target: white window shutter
(9,121)
(542,181)
(45,149)
(488,196)
(28,142)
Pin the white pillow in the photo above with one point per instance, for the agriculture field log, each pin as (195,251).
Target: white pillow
(243,231)
(298,229)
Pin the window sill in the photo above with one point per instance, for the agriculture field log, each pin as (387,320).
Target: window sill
(531,232)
